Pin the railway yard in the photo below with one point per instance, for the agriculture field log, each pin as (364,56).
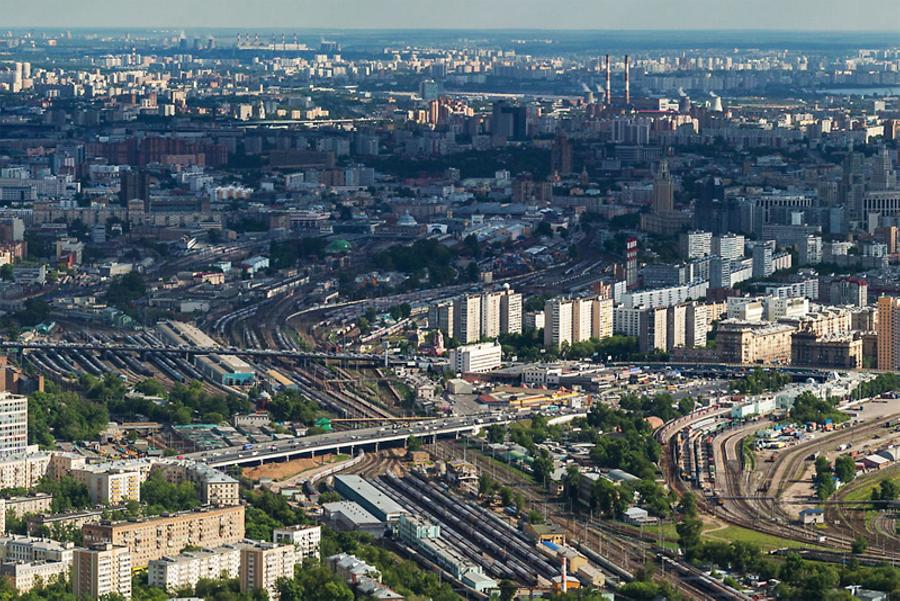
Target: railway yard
(742,478)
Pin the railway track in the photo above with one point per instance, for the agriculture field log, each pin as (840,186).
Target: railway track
(626,552)
(762,509)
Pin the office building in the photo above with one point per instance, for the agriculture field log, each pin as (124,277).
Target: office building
(476,358)
(152,538)
(888,330)
(467,319)
(263,564)
(174,573)
(13,424)
(663,190)
(557,323)
(306,539)
(601,318)
(100,570)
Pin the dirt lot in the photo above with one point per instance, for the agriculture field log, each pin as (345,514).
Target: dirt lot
(288,469)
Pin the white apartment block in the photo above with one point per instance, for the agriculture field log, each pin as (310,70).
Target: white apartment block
(510,312)
(695,244)
(696,325)
(665,297)
(13,423)
(476,358)
(467,319)
(306,539)
(626,321)
(185,570)
(728,246)
(557,323)
(490,314)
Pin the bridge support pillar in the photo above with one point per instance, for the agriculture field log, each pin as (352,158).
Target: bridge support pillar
(376,447)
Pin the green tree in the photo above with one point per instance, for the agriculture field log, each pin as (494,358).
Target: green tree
(845,468)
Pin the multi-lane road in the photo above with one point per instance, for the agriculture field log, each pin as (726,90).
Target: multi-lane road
(352,441)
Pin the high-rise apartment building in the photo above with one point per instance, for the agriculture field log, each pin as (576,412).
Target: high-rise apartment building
(440,317)
(100,570)
(262,564)
(696,325)
(676,327)
(557,323)
(601,318)
(888,330)
(490,314)
(467,319)
(695,244)
(728,246)
(582,310)
(763,264)
(631,262)
(510,312)
(13,423)
(653,330)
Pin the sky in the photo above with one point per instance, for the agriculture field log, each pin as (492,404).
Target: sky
(834,15)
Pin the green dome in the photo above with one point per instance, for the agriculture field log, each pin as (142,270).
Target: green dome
(338,246)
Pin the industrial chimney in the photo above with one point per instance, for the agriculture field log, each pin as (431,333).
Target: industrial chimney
(627,82)
(608,89)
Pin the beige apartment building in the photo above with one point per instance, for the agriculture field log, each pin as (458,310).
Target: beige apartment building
(110,486)
(101,569)
(837,352)
(262,564)
(888,329)
(154,538)
(747,343)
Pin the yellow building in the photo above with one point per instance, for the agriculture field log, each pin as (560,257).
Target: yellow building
(888,333)
(156,537)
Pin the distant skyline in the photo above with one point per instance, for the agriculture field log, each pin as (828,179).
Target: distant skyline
(798,15)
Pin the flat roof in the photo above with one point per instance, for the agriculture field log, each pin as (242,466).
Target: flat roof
(377,499)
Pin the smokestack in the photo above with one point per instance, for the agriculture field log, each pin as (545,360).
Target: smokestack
(627,82)
(565,576)
(608,97)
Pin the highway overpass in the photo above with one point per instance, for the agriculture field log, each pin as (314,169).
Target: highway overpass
(351,441)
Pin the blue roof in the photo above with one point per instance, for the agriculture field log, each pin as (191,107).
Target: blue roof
(551,546)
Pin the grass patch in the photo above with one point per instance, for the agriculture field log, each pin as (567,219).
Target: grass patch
(766,542)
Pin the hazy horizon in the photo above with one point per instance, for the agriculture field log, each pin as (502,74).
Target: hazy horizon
(867,16)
